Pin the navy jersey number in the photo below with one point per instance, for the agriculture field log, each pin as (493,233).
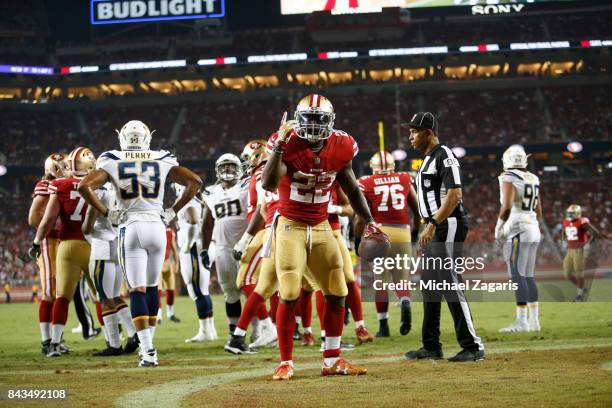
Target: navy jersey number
(531,196)
(228,209)
(150,186)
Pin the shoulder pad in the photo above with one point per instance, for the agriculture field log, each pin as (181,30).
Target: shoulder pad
(109,155)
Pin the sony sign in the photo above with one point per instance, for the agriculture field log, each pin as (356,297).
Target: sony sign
(130,11)
(497,9)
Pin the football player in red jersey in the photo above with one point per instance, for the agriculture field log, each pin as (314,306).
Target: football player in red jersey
(306,156)
(54,169)
(73,251)
(576,229)
(390,194)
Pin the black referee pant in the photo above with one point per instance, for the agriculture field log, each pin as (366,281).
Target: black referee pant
(446,243)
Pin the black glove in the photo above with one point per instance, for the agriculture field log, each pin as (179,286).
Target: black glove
(237,255)
(34,251)
(357,243)
(205,259)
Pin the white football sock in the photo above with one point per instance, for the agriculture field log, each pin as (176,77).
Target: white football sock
(159,314)
(359,323)
(45,331)
(104,329)
(152,330)
(534,311)
(322,333)
(307,330)
(146,342)
(56,333)
(521,312)
(203,325)
(125,318)
(170,311)
(381,316)
(239,332)
(298,319)
(111,328)
(579,291)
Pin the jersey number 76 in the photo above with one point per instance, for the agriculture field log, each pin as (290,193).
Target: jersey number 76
(134,172)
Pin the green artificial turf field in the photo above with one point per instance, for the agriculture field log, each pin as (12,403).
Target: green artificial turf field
(567,364)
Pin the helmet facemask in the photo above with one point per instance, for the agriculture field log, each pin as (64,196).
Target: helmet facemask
(314,125)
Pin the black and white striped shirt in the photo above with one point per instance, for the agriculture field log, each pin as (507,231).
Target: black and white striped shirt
(439,172)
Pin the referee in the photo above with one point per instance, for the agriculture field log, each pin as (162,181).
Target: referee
(438,185)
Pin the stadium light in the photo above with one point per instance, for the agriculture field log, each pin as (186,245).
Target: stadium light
(389,52)
(77,69)
(3,170)
(399,154)
(123,66)
(479,48)
(22,69)
(574,147)
(218,61)
(540,45)
(277,57)
(337,54)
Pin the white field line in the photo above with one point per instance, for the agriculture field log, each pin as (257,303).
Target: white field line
(170,393)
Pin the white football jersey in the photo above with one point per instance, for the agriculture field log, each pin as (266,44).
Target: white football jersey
(181,220)
(103,229)
(139,178)
(229,209)
(526,195)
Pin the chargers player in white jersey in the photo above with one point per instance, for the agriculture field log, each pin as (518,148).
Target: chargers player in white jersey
(106,275)
(518,229)
(224,222)
(195,276)
(138,176)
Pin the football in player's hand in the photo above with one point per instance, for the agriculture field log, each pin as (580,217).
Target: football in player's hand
(374,244)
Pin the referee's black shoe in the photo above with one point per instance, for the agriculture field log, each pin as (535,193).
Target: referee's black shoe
(468,355)
(423,353)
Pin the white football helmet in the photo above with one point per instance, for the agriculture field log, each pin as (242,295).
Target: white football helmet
(228,167)
(134,135)
(515,158)
(315,116)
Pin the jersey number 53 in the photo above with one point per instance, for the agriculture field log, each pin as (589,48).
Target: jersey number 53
(139,179)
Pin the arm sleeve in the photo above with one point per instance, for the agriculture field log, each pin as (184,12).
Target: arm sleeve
(448,169)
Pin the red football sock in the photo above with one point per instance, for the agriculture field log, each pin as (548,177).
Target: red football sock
(285,325)
(254,301)
(334,323)
(99,313)
(274,306)
(60,311)
(354,300)
(382,301)
(306,306)
(169,297)
(320,304)
(44,311)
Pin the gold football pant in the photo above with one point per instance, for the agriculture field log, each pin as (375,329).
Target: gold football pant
(573,263)
(72,261)
(47,267)
(167,281)
(250,263)
(267,282)
(298,246)
(400,239)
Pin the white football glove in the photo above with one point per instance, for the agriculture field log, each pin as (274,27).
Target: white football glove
(500,233)
(115,216)
(241,245)
(168,215)
(334,209)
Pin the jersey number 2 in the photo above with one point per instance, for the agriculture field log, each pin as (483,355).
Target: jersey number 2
(146,189)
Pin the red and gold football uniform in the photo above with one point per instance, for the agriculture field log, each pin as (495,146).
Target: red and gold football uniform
(73,251)
(167,281)
(48,247)
(577,236)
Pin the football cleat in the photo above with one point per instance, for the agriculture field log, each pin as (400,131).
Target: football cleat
(64,349)
(174,319)
(266,337)
(54,350)
(148,358)
(423,353)
(236,345)
(44,346)
(533,325)
(308,339)
(94,333)
(406,318)
(383,328)
(362,335)
(517,326)
(467,355)
(108,352)
(132,344)
(283,372)
(343,367)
